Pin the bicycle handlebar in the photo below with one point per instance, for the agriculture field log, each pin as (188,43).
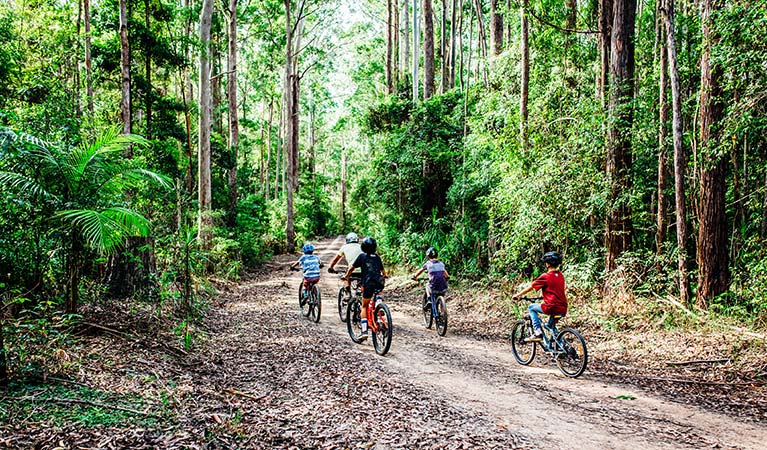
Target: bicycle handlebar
(531,298)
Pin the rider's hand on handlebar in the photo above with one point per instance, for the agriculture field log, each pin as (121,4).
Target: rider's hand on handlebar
(516,297)
(331,270)
(414,278)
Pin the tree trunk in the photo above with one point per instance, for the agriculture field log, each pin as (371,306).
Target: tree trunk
(187,93)
(234,123)
(605,35)
(3,358)
(713,261)
(343,188)
(204,197)
(482,47)
(389,48)
(443,62)
(217,123)
(619,231)
(525,69)
(405,49)
(73,273)
(290,131)
(147,72)
(265,187)
(125,104)
(496,25)
(395,46)
(415,52)
(680,160)
(88,61)
(663,110)
(453,26)
(428,50)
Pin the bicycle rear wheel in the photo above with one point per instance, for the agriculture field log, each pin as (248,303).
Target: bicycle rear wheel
(524,351)
(354,320)
(343,303)
(315,304)
(382,337)
(426,311)
(441,319)
(571,354)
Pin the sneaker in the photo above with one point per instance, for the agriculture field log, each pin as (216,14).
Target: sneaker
(363,336)
(536,337)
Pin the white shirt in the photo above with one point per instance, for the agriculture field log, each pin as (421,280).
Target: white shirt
(350,252)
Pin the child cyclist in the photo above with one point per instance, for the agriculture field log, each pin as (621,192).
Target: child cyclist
(552,286)
(311,264)
(437,273)
(350,251)
(373,277)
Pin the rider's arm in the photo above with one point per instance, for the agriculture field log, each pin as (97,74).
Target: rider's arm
(333,263)
(447,276)
(349,272)
(418,274)
(293,266)
(525,291)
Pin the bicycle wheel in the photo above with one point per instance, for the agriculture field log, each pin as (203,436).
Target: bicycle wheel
(382,337)
(315,304)
(524,351)
(343,303)
(354,320)
(426,311)
(441,319)
(570,353)
(303,300)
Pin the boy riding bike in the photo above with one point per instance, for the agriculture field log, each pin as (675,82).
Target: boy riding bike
(437,273)
(350,252)
(373,276)
(552,286)
(311,264)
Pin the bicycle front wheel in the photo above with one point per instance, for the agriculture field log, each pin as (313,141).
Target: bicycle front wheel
(315,304)
(354,320)
(441,319)
(570,352)
(524,351)
(343,303)
(426,311)
(382,337)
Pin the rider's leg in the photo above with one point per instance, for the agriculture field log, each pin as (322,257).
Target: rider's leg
(535,309)
(364,318)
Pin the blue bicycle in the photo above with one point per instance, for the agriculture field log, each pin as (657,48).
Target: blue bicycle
(566,347)
(434,311)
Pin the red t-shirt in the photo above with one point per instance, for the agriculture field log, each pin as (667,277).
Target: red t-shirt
(552,285)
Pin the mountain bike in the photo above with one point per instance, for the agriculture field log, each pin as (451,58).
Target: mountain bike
(567,347)
(344,296)
(434,310)
(379,322)
(310,300)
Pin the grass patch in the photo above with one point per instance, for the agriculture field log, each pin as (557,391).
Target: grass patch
(64,405)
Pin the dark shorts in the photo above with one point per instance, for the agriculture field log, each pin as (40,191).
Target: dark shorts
(371,289)
(309,282)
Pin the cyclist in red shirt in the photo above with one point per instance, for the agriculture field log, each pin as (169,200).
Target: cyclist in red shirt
(552,286)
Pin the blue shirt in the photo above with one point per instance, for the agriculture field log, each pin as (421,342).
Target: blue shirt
(311,266)
(436,270)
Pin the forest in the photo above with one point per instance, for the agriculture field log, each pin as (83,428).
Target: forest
(156,155)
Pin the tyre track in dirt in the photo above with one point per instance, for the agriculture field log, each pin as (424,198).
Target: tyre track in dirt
(537,401)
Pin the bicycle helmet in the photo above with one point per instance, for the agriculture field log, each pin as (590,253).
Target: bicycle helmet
(553,258)
(307,248)
(352,237)
(369,245)
(431,252)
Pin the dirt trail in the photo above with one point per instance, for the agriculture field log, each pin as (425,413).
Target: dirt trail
(537,402)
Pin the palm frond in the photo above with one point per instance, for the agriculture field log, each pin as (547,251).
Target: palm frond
(135,175)
(107,230)
(133,223)
(82,159)
(19,183)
